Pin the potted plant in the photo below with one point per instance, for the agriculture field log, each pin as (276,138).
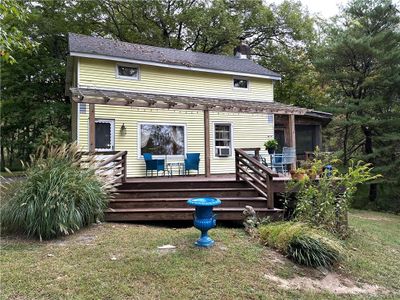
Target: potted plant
(298,174)
(312,173)
(271,146)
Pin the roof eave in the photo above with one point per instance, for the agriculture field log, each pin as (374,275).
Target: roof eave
(171,66)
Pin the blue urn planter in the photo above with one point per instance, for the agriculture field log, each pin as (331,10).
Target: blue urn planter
(204,219)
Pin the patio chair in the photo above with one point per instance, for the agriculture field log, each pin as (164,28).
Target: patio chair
(289,155)
(192,162)
(153,164)
(279,162)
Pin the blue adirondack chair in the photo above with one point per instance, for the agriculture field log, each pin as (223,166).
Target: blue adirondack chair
(192,162)
(153,164)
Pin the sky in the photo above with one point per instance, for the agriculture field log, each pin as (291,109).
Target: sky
(323,8)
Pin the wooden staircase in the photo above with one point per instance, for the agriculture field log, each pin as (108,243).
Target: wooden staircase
(155,199)
(166,200)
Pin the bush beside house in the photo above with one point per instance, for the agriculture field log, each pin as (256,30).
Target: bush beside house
(57,198)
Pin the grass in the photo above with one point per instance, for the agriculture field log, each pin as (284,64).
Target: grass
(13,174)
(121,261)
(374,248)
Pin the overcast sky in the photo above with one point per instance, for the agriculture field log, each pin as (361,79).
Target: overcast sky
(324,8)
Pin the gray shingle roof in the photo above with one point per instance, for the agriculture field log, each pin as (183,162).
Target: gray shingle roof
(101,46)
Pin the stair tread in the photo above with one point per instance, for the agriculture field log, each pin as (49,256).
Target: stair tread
(216,209)
(166,199)
(183,190)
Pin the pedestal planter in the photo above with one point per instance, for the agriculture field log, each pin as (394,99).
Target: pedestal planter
(204,219)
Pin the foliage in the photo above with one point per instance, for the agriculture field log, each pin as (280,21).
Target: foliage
(271,144)
(358,59)
(51,136)
(57,197)
(302,244)
(12,14)
(325,202)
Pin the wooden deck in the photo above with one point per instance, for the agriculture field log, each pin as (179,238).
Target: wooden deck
(164,198)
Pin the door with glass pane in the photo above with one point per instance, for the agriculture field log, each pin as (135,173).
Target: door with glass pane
(104,135)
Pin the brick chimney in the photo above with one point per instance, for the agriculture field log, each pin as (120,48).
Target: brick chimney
(242,51)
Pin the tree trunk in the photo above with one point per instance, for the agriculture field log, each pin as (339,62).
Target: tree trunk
(373,188)
(345,140)
(3,163)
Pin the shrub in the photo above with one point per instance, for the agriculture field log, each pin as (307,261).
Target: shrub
(325,202)
(57,198)
(301,243)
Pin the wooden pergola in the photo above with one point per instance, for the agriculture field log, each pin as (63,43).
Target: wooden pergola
(136,99)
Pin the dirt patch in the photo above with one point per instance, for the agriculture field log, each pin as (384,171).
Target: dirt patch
(331,282)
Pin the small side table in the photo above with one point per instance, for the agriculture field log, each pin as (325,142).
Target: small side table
(173,165)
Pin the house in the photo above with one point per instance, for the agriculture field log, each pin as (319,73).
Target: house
(144,99)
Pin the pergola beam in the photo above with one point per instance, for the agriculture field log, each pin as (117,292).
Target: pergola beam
(92,96)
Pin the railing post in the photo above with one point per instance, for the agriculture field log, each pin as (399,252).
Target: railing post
(257,153)
(270,192)
(124,167)
(237,165)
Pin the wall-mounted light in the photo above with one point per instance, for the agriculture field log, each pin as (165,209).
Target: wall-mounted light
(122,131)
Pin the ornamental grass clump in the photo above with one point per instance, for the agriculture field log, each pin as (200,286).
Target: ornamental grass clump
(302,244)
(58,196)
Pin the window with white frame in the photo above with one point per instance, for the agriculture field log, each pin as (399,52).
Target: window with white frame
(104,135)
(162,139)
(125,71)
(223,139)
(240,83)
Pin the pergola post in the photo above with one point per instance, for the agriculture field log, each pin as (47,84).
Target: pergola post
(207,142)
(92,127)
(292,136)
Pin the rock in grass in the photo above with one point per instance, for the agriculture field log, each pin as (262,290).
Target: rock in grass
(166,247)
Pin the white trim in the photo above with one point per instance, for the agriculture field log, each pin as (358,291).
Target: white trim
(150,63)
(121,77)
(95,88)
(247,89)
(112,137)
(140,156)
(232,139)
(78,114)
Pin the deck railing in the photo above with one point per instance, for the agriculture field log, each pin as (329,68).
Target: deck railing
(250,169)
(111,164)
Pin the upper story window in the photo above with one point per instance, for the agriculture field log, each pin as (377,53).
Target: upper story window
(125,71)
(239,83)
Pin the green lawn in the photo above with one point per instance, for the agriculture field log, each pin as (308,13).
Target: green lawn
(121,261)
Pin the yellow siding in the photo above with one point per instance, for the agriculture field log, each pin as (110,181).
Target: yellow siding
(96,73)
(131,117)
(249,130)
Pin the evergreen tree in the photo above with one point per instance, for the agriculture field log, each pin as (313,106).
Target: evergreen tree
(360,59)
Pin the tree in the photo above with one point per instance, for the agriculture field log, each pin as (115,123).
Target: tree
(360,59)
(12,38)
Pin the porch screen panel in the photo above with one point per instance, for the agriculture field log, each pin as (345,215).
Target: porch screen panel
(305,138)
(159,139)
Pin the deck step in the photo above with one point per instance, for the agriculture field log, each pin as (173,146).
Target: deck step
(186,192)
(159,214)
(181,202)
(183,184)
